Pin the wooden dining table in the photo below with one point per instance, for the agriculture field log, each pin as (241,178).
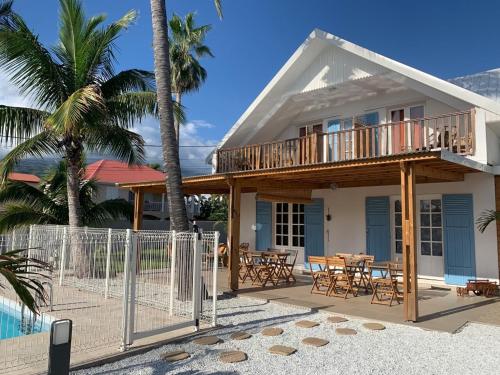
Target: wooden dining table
(273,263)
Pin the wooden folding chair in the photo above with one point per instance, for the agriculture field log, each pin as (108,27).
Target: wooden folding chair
(342,280)
(385,289)
(364,280)
(289,265)
(321,275)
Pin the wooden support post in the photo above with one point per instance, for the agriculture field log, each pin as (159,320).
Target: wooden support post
(408,207)
(138,208)
(234,232)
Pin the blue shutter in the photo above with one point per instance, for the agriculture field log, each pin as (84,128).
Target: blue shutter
(378,231)
(313,221)
(264,220)
(458,226)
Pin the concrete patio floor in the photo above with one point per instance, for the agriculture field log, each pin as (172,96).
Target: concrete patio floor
(439,308)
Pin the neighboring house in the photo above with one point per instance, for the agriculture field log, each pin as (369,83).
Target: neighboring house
(108,173)
(30,179)
(333,152)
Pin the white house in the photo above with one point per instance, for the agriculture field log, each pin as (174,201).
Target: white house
(345,93)
(346,150)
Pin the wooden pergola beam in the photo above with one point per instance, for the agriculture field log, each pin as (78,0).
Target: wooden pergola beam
(408,213)
(138,208)
(426,171)
(234,232)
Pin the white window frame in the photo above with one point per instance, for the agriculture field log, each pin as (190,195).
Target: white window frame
(290,228)
(429,197)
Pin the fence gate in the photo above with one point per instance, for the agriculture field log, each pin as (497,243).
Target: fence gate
(170,282)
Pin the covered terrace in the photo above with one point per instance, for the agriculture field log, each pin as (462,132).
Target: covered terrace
(295,184)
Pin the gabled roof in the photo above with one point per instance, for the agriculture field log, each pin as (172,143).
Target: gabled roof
(317,41)
(24,177)
(112,171)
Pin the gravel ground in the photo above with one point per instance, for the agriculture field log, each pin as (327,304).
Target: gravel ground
(397,349)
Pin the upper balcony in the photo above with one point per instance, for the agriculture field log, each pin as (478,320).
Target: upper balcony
(453,132)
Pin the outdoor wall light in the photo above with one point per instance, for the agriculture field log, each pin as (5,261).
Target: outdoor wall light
(328,217)
(256,227)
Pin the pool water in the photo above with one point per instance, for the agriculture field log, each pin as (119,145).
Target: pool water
(13,323)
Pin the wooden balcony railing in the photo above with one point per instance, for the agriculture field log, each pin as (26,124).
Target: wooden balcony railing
(453,132)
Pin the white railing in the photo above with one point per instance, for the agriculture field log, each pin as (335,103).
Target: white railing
(118,286)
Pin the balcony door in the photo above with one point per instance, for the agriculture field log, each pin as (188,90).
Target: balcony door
(398,130)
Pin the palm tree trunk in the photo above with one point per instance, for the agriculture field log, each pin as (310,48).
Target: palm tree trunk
(73,160)
(170,149)
(177,125)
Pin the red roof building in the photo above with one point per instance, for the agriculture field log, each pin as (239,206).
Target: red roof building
(112,172)
(24,177)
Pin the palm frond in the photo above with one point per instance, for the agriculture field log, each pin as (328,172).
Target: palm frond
(126,109)
(29,65)
(17,123)
(486,218)
(17,215)
(112,209)
(132,80)
(16,191)
(218,8)
(70,114)
(25,276)
(39,145)
(118,142)
(5,13)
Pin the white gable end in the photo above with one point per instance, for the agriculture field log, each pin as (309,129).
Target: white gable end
(334,66)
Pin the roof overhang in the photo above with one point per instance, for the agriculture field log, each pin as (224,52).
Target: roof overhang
(432,167)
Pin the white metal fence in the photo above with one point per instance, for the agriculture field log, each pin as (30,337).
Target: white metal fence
(118,286)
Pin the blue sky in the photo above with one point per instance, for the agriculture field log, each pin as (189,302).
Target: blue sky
(445,38)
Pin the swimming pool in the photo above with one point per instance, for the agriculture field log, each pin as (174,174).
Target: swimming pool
(14,323)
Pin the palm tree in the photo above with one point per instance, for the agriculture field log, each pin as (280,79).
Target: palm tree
(170,148)
(24,204)
(186,47)
(79,103)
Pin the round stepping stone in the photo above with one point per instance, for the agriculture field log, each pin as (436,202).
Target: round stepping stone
(345,331)
(282,350)
(337,319)
(314,341)
(233,356)
(240,335)
(306,324)
(207,340)
(272,331)
(174,356)
(374,326)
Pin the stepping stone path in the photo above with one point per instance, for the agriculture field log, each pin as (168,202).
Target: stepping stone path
(374,326)
(240,335)
(282,350)
(207,340)
(177,355)
(345,331)
(314,341)
(272,331)
(233,356)
(306,324)
(337,319)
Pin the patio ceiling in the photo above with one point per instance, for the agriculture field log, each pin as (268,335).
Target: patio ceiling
(368,172)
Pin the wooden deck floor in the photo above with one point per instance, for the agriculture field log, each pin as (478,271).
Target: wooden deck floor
(440,309)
